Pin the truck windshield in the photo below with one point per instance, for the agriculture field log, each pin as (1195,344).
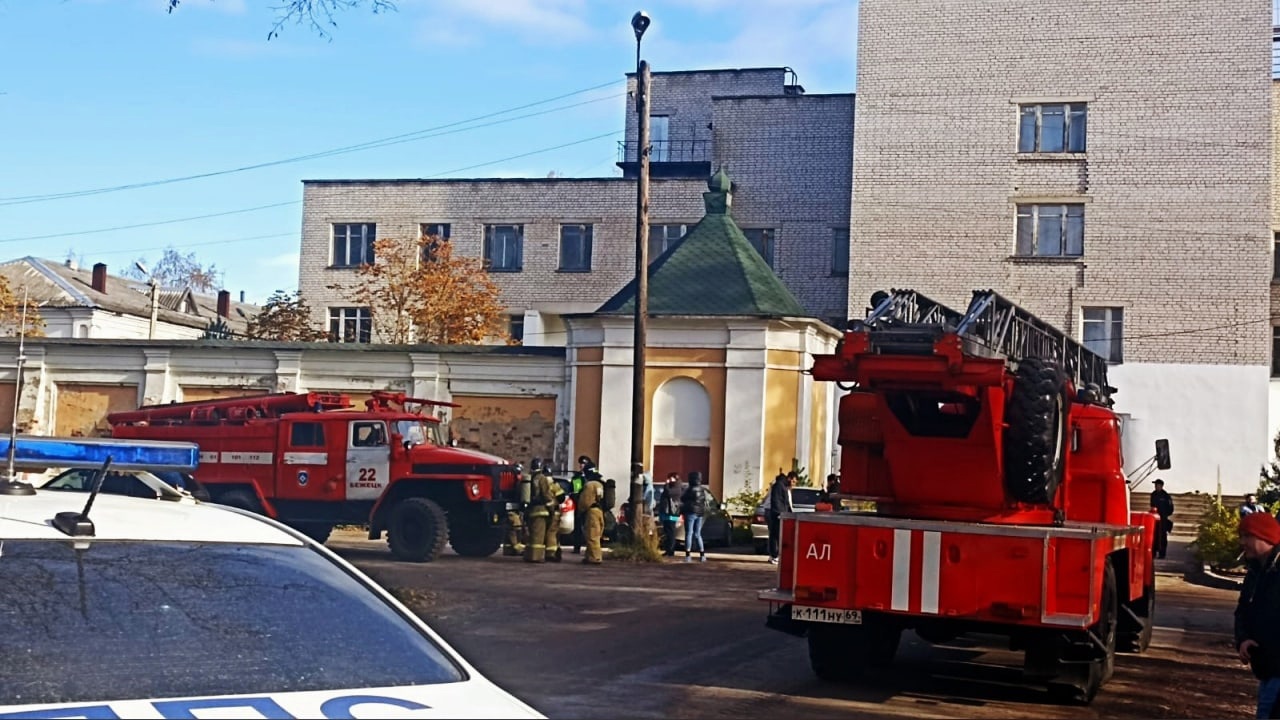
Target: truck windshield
(416,432)
(125,620)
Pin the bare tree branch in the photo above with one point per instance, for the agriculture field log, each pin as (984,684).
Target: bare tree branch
(316,14)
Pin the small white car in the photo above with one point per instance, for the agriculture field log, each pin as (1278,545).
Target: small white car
(189,609)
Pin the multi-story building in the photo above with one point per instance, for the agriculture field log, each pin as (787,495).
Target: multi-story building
(558,246)
(1107,166)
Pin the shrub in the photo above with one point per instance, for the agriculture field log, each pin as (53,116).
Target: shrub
(638,547)
(1217,538)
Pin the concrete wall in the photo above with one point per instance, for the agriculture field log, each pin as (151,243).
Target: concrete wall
(1176,184)
(78,322)
(69,386)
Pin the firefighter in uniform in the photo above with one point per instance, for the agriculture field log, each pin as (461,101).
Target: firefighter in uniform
(516,539)
(592,500)
(585,465)
(539,515)
(554,495)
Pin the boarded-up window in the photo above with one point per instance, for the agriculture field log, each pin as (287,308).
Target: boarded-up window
(515,428)
(82,409)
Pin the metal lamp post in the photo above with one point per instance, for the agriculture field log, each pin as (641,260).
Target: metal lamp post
(639,23)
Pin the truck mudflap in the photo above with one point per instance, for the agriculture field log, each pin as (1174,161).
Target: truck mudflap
(1047,576)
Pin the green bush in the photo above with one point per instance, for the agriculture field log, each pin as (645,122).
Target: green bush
(637,547)
(1217,541)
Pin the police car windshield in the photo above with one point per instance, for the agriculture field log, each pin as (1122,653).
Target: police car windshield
(126,620)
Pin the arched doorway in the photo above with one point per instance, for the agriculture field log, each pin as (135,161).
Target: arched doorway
(681,429)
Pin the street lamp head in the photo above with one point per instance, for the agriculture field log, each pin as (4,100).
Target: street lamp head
(640,22)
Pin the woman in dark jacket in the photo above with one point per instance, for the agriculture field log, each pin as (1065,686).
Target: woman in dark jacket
(693,505)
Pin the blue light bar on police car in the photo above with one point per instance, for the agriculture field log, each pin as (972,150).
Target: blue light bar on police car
(35,452)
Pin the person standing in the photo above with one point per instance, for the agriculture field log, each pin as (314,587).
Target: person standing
(779,502)
(1257,616)
(1163,504)
(553,495)
(592,501)
(516,531)
(693,506)
(668,512)
(1250,505)
(539,515)
(578,480)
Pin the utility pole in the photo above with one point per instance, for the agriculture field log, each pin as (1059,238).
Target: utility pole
(639,23)
(11,485)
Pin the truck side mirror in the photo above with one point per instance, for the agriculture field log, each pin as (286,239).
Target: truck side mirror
(1162,454)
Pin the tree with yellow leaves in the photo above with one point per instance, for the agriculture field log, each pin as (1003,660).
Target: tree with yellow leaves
(11,320)
(421,292)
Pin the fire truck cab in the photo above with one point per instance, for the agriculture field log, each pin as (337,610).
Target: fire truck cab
(312,462)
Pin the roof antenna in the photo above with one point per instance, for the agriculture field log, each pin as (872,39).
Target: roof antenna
(11,485)
(78,524)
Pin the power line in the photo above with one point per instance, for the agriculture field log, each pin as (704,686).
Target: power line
(200,244)
(423,134)
(256,208)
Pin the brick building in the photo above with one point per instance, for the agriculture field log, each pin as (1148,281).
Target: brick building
(560,246)
(1108,167)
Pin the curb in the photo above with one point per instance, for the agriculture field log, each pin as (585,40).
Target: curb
(1208,577)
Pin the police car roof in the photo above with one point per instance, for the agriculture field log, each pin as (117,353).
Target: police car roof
(115,517)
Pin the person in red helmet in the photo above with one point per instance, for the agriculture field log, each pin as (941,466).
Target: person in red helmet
(1257,617)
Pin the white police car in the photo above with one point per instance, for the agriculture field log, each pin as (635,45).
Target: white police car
(145,609)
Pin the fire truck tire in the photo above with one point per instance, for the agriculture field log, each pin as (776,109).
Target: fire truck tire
(418,530)
(242,499)
(844,653)
(471,537)
(1078,683)
(1036,431)
(316,531)
(1134,636)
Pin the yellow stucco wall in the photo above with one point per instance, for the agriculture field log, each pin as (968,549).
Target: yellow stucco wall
(781,390)
(785,358)
(818,459)
(586,410)
(712,380)
(684,355)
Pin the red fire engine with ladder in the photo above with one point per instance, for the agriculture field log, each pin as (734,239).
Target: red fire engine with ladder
(311,462)
(987,445)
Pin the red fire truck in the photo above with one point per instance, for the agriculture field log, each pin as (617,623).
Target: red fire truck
(987,446)
(312,462)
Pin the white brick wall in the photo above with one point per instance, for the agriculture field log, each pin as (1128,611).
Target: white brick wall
(1176,177)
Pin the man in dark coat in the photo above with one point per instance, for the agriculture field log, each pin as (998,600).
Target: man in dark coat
(1163,504)
(778,502)
(1257,627)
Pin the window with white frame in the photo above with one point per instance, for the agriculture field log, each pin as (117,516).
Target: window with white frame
(1050,230)
(504,247)
(1275,257)
(1052,127)
(839,252)
(432,233)
(353,244)
(350,325)
(575,248)
(659,138)
(662,237)
(1104,332)
(762,240)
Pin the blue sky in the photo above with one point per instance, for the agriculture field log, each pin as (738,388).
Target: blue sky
(103,93)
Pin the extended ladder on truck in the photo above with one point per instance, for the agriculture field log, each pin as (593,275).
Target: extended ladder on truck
(987,442)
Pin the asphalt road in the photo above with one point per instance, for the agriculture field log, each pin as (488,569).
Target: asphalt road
(677,640)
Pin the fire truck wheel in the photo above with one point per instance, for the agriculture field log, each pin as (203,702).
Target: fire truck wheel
(843,653)
(242,499)
(1134,635)
(316,531)
(418,530)
(1036,430)
(1078,682)
(471,536)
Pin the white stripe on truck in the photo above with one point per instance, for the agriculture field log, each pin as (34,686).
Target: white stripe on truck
(901,598)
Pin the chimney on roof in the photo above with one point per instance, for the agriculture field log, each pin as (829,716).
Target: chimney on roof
(99,277)
(224,303)
(241,297)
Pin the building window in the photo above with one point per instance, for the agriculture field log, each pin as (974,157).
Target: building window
(350,325)
(504,247)
(662,237)
(575,248)
(1052,127)
(762,240)
(436,231)
(515,328)
(1050,230)
(1275,258)
(353,244)
(1104,332)
(659,138)
(1275,351)
(840,252)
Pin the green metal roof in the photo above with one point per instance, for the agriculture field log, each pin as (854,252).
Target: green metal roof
(712,270)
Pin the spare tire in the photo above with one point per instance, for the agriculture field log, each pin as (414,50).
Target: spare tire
(1035,435)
